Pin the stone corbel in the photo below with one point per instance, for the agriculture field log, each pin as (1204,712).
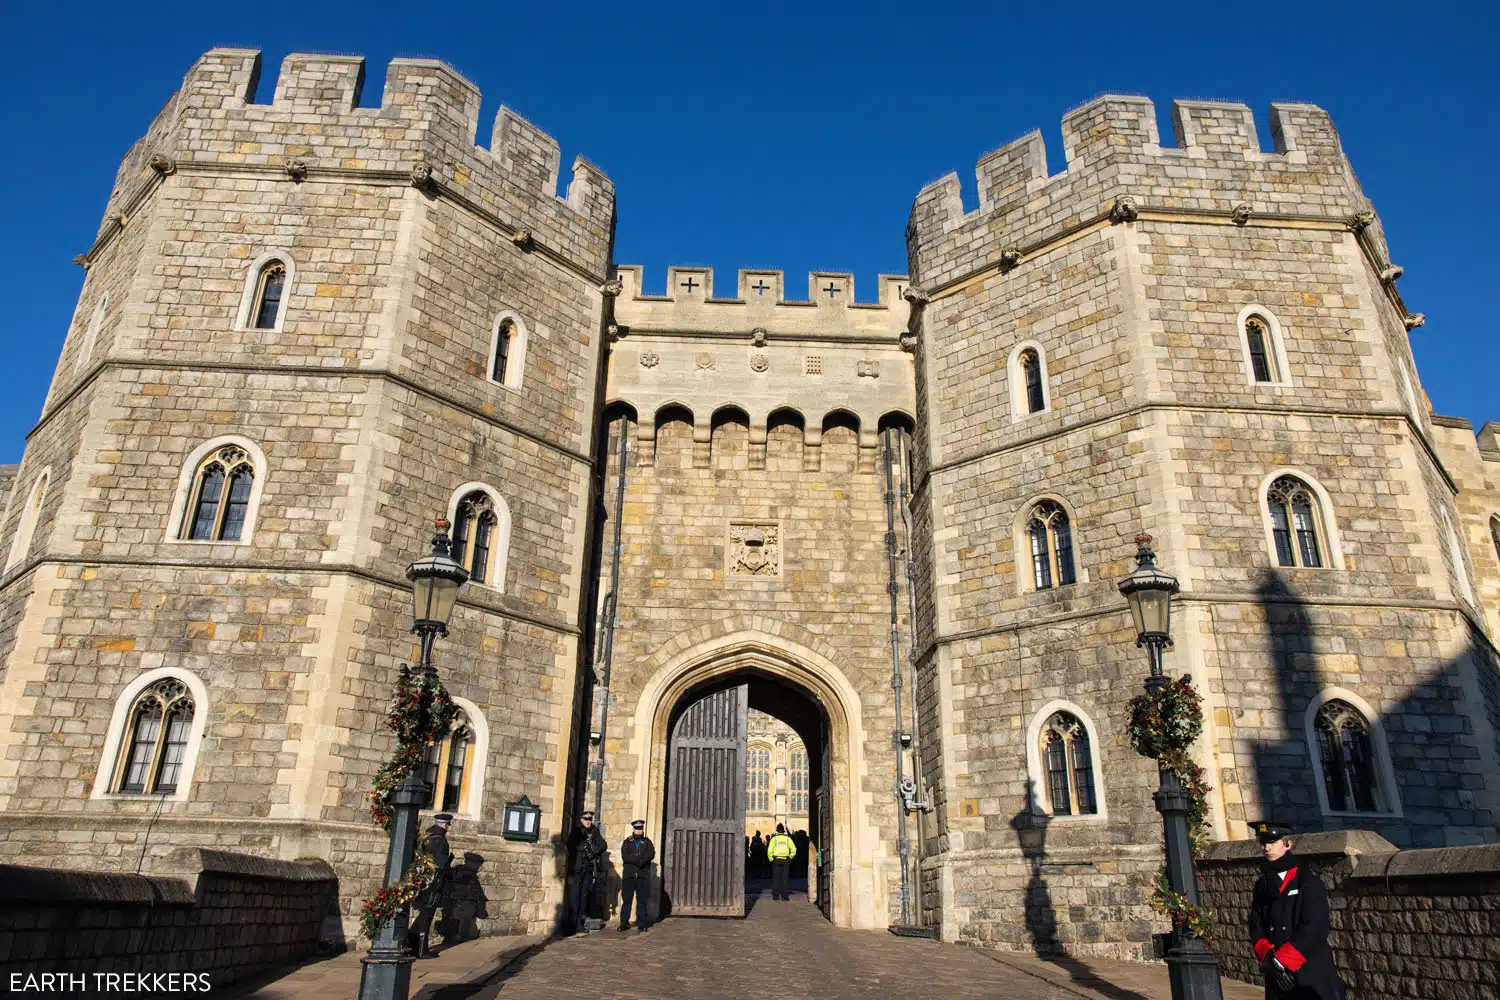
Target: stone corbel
(1360,221)
(1009,258)
(296,170)
(82,260)
(1414,320)
(612,288)
(1391,273)
(1124,210)
(421,177)
(162,164)
(908,342)
(1241,213)
(612,330)
(758,336)
(522,238)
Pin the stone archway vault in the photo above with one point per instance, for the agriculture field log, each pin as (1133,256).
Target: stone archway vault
(856,901)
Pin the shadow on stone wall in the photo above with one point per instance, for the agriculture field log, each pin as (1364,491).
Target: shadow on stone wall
(1030,825)
(1436,773)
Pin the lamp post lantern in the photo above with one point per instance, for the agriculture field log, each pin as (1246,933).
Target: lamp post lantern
(1192,968)
(435,581)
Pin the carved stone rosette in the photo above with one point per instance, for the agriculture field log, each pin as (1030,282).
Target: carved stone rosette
(650,359)
(754,548)
(759,362)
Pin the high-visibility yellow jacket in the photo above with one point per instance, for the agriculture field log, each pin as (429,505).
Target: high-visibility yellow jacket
(781,846)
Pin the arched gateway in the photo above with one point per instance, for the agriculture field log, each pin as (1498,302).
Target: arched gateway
(689,736)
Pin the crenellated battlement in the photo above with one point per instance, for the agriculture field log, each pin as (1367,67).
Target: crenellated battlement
(1113,150)
(425,129)
(760,302)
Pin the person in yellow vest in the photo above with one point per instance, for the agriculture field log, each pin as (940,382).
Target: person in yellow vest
(781,850)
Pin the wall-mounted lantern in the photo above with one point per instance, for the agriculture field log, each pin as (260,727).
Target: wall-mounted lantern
(523,820)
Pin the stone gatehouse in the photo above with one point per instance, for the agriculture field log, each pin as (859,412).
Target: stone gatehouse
(309,328)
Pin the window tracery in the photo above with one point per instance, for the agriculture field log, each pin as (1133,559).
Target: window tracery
(447,768)
(1347,758)
(270,285)
(1296,523)
(160,722)
(1068,766)
(219,502)
(1051,540)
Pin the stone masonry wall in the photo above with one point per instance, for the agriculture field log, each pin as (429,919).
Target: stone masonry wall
(1404,924)
(246,916)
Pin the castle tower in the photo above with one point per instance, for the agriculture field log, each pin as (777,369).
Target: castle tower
(1204,342)
(307,330)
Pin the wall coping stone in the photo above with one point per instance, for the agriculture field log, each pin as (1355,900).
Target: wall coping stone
(250,866)
(1433,862)
(1311,845)
(25,884)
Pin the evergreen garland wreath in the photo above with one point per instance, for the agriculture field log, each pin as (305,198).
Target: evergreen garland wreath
(421,714)
(1163,726)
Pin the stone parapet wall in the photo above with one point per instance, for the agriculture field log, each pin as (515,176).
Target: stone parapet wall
(1405,923)
(245,915)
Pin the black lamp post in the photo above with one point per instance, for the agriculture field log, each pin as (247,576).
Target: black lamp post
(435,580)
(1192,968)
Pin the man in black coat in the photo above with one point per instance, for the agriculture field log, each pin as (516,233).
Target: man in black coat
(636,855)
(1289,923)
(436,843)
(586,853)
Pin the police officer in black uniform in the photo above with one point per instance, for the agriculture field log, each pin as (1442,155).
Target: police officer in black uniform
(436,843)
(1289,923)
(586,853)
(636,854)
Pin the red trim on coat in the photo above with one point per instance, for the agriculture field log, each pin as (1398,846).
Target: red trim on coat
(1262,949)
(1286,880)
(1290,957)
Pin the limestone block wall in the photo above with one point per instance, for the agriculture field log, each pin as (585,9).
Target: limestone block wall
(1474,462)
(1404,923)
(243,916)
(368,406)
(1130,274)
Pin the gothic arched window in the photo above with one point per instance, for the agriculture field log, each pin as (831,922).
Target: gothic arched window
(1296,523)
(1262,353)
(447,768)
(474,535)
(504,338)
(1068,764)
(1495,534)
(20,544)
(798,775)
(270,285)
(1031,369)
(220,497)
(1051,541)
(758,780)
(1347,758)
(152,753)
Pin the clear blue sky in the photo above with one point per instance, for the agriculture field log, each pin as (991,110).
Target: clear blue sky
(794,136)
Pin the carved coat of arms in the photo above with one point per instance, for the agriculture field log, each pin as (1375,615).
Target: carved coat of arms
(754,549)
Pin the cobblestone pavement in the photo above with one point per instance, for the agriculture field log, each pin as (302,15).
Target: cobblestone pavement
(787,951)
(780,951)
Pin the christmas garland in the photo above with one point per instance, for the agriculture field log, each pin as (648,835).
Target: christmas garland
(421,714)
(386,903)
(1163,725)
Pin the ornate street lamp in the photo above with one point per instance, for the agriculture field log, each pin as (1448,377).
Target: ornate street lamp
(1191,967)
(435,581)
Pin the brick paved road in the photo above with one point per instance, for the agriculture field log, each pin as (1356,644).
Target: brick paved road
(781,951)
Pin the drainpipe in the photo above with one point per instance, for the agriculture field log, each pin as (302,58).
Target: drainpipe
(899,737)
(607,636)
(911,650)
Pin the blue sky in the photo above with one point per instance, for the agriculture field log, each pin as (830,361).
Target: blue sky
(795,136)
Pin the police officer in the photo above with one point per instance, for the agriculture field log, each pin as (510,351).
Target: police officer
(1289,923)
(436,843)
(586,852)
(636,854)
(781,849)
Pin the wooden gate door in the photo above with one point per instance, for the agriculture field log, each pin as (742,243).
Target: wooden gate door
(703,860)
(825,833)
